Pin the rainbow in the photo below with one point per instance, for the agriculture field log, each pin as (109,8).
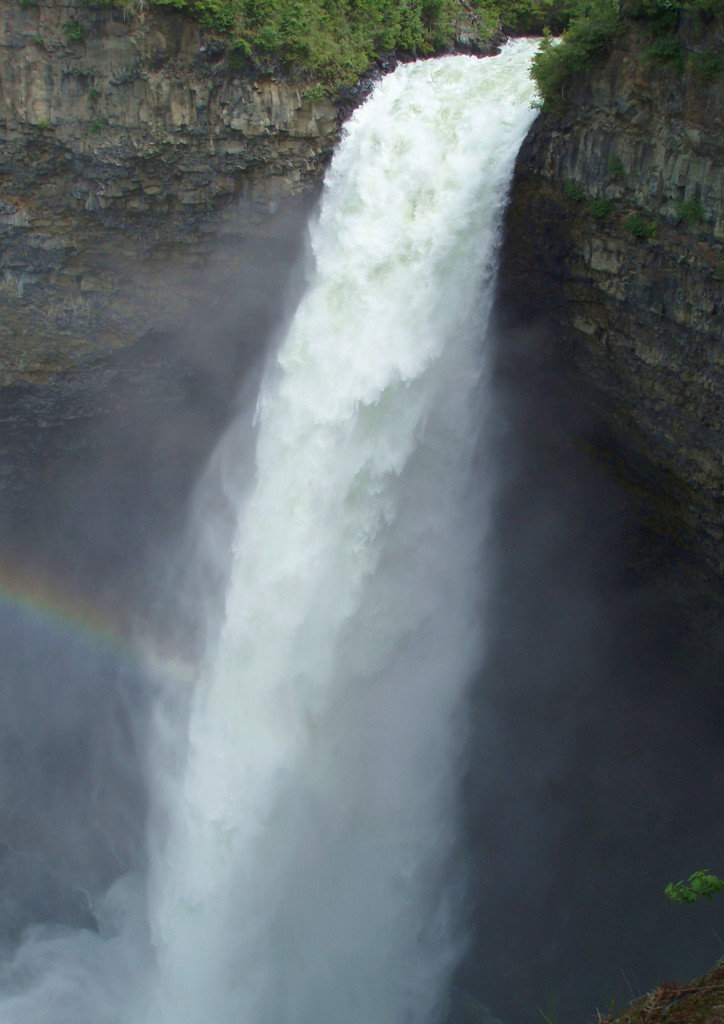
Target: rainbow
(51,603)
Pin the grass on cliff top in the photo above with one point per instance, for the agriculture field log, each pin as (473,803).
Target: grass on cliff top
(700,1002)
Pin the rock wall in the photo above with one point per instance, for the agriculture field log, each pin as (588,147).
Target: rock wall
(126,145)
(633,306)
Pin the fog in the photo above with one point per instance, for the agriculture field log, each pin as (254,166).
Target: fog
(596,718)
(589,776)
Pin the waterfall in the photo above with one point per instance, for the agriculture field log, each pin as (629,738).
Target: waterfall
(306,877)
(305,871)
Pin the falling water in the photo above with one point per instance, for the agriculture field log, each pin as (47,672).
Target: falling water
(306,877)
(303,856)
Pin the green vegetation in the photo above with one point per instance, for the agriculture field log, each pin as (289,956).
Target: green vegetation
(594,24)
(616,170)
(702,884)
(691,211)
(707,65)
(666,50)
(585,41)
(74,31)
(314,93)
(97,125)
(93,96)
(534,17)
(573,191)
(638,227)
(600,207)
(39,42)
(43,123)
(332,40)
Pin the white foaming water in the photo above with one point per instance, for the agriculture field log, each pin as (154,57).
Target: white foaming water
(304,876)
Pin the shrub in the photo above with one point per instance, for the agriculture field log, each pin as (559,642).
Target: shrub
(616,170)
(586,40)
(239,53)
(707,65)
(534,17)
(665,50)
(691,211)
(700,884)
(217,14)
(314,93)
(637,226)
(600,207)
(97,125)
(74,31)
(572,190)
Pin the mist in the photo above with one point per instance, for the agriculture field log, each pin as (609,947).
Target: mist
(585,749)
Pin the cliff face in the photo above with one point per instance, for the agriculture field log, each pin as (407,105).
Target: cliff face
(131,150)
(614,241)
(121,153)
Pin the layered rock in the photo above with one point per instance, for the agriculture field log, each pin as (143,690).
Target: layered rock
(614,243)
(125,142)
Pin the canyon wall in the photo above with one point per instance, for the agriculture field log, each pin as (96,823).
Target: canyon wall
(614,249)
(139,165)
(127,145)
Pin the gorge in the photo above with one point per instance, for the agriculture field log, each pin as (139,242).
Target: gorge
(153,227)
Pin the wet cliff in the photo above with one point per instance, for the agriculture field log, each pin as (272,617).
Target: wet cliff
(128,143)
(140,165)
(614,249)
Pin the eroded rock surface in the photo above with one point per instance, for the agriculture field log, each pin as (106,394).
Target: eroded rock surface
(634,305)
(121,156)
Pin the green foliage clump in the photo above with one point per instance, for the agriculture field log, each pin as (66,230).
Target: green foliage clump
(217,14)
(616,169)
(74,31)
(665,50)
(600,207)
(639,227)
(97,125)
(691,211)
(573,191)
(534,17)
(39,42)
(586,40)
(707,65)
(314,93)
(701,884)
